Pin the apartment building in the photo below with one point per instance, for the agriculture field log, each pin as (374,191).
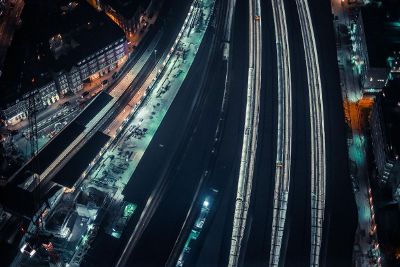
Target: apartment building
(56,54)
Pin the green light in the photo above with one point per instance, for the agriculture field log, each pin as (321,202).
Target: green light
(395,24)
(129,209)
(390,61)
(85,238)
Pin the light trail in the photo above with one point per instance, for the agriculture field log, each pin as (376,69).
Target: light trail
(318,152)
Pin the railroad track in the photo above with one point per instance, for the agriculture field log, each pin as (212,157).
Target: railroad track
(284,132)
(318,156)
(250,133)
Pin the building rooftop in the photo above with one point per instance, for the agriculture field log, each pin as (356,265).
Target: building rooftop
(22,202)
(127,8)
(376,78)
(82,31)
(382,30)
(61,141)
(71,172)
(91,195)
(391,115)
(48,153)
(24,66)
(94,107)
(54,36)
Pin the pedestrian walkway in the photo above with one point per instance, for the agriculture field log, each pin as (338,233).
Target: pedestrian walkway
(159,90)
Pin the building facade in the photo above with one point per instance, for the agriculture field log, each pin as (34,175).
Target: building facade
(100,63)
(126,14)
(383,161)
(91,67)
(15,113)
(73,58)
(18,111)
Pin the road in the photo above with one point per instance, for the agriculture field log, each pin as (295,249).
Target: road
(357,144)
(269,147)
(122,91)
(121,97)
(172,60)
(291,125)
